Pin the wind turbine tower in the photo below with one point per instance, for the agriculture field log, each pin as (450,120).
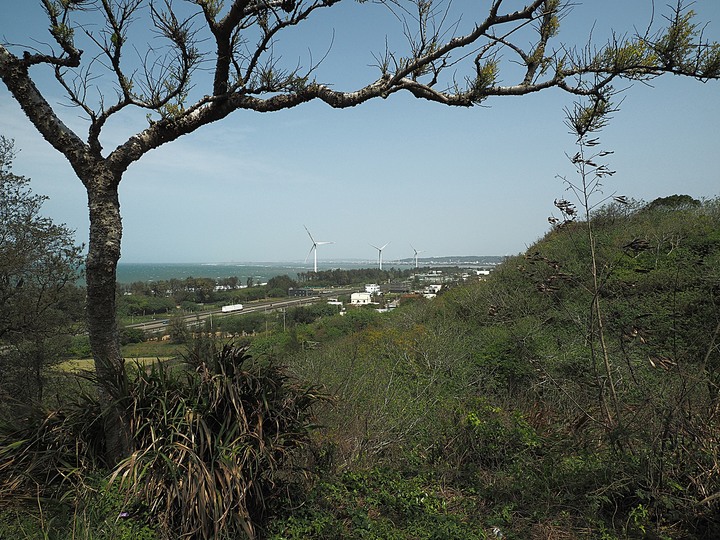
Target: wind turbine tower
(380,250)
(313,249)
(416,255)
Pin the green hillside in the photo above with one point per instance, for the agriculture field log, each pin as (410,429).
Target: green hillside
(521,404)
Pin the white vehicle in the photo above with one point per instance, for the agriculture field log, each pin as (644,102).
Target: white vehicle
(232,307)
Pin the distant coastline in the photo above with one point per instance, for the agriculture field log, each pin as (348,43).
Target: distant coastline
(262,271)
(259,272)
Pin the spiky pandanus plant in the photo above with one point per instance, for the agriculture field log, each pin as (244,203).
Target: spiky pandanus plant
(210,445)
(49,452)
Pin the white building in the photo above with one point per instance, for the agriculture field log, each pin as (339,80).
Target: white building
(372,288)
(360,298)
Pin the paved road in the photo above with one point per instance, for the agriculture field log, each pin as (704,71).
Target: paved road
(195,319)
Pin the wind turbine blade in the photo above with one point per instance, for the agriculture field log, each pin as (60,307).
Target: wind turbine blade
(310,235)
(309,252)
(376,247)
(386,245)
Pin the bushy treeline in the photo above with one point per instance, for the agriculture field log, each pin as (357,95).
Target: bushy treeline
(340,277)
(276,321)
(155,297)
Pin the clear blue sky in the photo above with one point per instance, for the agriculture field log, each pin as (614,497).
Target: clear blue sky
(448,181)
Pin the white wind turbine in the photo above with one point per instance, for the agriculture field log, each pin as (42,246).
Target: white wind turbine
(416,254)
(380,250)
(314,248)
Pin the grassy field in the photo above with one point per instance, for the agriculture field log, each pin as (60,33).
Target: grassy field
(145,353)
(152,350)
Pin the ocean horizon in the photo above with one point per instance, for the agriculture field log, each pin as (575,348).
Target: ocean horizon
(260,272)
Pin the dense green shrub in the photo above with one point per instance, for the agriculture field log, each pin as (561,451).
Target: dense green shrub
(44,451)
(132,335)
(492,436)
(248,323)
(211,445)
(380,504)
(144,305)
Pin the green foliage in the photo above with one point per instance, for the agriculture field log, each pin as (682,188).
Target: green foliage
(230,426)
(492,435)
(354,320)
(212,7)
(248,323)
(44,452)
(80,347)
(95,510)
(673,47)
(379,504)
(153,350)
(130,335)
(394,381)
(38,302)
(162,296)
(536,445)
(504,354)
(586,118)
(311,313)
(105,512)
(630,56)
(278,286)
(673,202)
(212,445)
(478,409)
(339,277)
(486,75)
(659,275)
(273,345)
(682,49)
(178,330)
(144,305)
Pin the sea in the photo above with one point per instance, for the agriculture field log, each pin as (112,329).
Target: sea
(259,272)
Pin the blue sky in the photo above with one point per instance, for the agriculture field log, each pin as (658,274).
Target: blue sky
(448,181)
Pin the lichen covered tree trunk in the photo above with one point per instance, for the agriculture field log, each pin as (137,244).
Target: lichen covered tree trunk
(102,259)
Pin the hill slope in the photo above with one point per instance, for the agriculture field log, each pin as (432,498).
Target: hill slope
(559,399)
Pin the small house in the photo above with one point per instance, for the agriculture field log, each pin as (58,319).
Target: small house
(360,298)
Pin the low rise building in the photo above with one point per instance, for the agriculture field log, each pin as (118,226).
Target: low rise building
(434,276)
(372,288)
(360,298)
(301,292)
(399,287)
